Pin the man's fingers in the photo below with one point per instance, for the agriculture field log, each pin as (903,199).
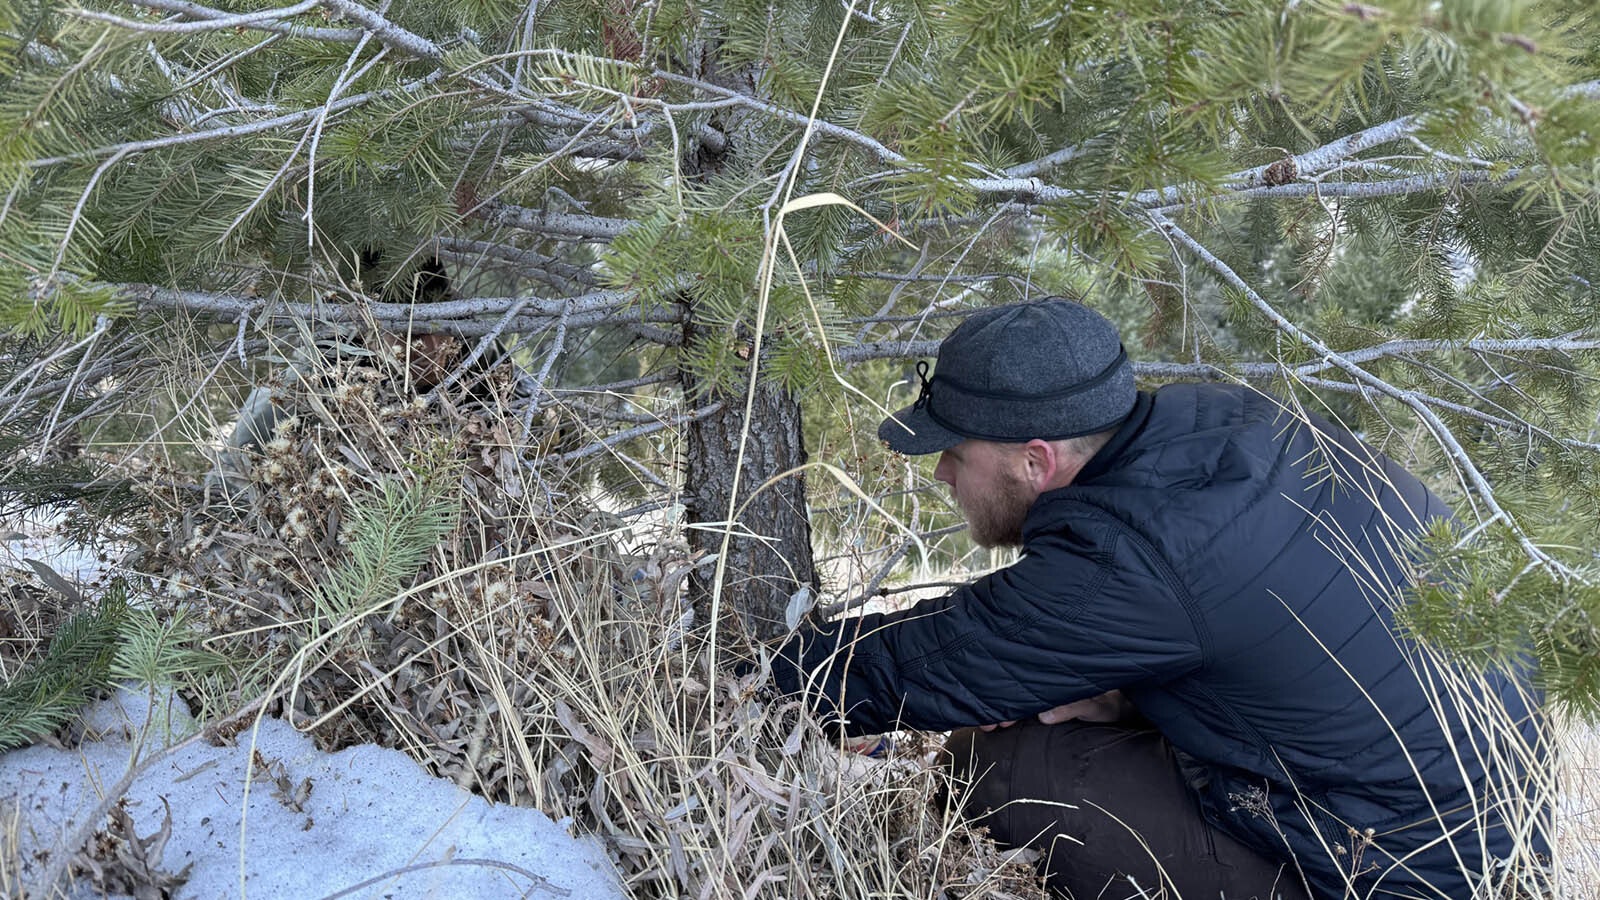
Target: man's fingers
(1059,714)
(1000,725)
(1108,707)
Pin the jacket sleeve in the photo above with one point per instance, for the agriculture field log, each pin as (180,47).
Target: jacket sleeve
(1082,613)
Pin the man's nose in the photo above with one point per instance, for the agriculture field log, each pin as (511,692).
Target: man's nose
(944,471)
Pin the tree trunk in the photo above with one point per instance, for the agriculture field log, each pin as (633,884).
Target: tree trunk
(769,550)
(769,553)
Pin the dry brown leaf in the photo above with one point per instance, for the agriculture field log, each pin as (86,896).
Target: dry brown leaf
(597,746)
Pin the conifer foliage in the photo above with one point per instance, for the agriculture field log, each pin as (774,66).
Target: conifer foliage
(735,211)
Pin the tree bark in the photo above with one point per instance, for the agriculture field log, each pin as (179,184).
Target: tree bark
(769,552)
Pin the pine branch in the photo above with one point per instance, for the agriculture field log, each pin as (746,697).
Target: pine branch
(1256,371)
(1044,163)
(1314,162)
(206,19)
(553,271)
(235,131)
(1441,432)
(385,31)
(544,221)
(1304,165)
(830,129)
(631,139)
(1360,190)
(390,535)
(588,310)
(77,663)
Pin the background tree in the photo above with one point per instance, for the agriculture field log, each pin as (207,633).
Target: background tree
(1385,211)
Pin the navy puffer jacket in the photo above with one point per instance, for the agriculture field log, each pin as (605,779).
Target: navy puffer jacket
(1230,567)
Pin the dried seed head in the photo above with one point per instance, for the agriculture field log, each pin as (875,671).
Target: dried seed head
(496,593)
(297,524)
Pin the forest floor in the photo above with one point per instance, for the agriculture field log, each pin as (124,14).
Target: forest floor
(263,813)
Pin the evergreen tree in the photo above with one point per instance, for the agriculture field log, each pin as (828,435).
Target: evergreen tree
(1385,211)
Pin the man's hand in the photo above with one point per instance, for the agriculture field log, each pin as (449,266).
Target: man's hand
(1108,707)
(1111,706)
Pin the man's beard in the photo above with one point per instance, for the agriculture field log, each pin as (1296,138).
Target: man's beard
(995,519)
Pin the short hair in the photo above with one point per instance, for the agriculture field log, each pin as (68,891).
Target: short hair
(1087,445)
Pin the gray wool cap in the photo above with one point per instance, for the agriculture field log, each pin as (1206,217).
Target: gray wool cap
(1050,369)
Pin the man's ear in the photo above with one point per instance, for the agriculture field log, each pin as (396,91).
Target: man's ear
(1041,464)
(1050,465)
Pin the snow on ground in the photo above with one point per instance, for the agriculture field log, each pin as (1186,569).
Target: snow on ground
(314,824)
(36,537)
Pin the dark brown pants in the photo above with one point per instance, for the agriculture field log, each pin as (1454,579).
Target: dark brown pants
(1108,808)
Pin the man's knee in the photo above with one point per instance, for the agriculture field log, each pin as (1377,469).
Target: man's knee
(1107,805)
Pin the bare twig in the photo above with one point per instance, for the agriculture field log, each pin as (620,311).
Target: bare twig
(874,586)
(471,359)
(67,848)
(622,437)
(616,387)
(205,19)
(535,399)
(540,883)
(77,211)
(265,20)
(320,122)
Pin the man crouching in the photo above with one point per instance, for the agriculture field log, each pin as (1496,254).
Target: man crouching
(1197,640)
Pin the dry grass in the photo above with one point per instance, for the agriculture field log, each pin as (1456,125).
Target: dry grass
(542,655)
(1577,826)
